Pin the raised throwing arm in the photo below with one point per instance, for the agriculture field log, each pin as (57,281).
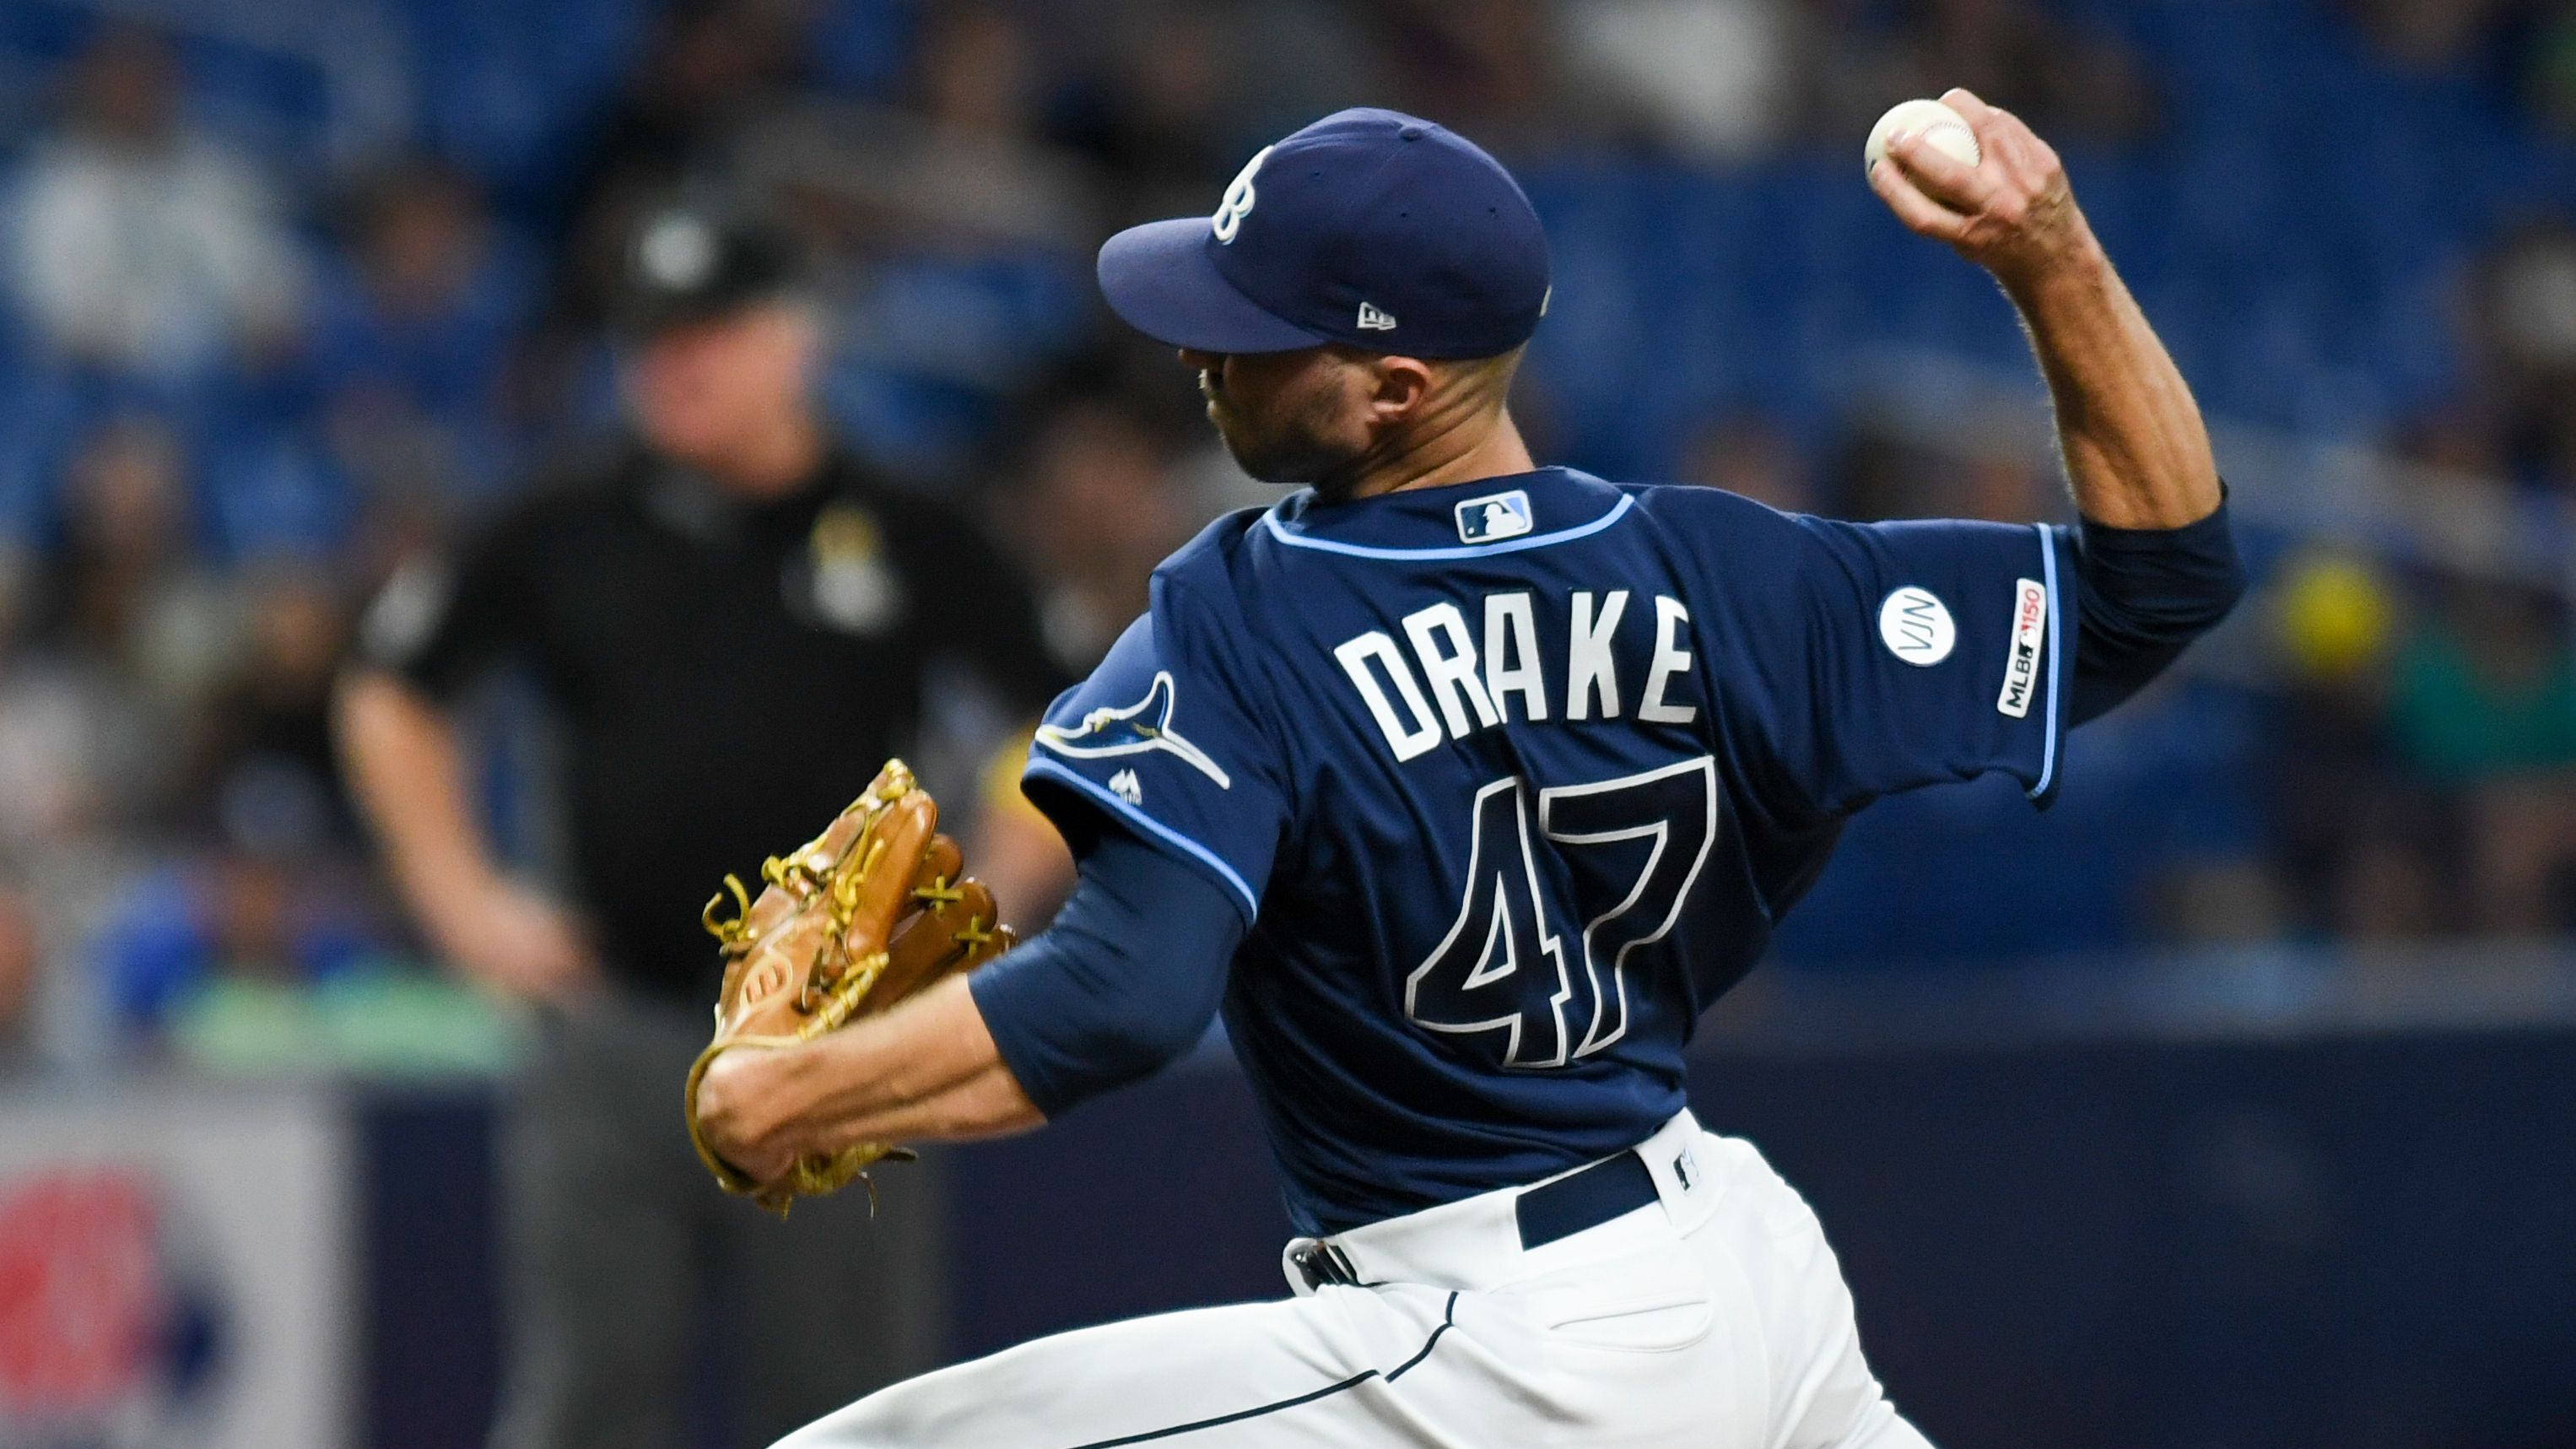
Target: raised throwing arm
(2137,454)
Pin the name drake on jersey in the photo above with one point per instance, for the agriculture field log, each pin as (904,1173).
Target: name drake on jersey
(1448,680)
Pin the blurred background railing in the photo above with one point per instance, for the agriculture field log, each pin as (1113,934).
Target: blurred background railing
(291,290)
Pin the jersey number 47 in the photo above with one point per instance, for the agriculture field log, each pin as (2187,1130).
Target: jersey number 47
(1631,849)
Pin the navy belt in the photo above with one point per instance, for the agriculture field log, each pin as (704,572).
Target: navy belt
(1610,1188)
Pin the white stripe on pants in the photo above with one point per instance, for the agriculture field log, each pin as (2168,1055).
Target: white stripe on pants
(1716,1316)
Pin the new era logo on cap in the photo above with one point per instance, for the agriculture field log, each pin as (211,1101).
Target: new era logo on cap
(1370,228)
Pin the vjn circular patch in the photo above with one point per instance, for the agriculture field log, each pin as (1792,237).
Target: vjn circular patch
(1916,626)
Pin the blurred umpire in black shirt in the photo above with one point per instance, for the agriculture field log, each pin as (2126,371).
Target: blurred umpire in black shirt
(733,622)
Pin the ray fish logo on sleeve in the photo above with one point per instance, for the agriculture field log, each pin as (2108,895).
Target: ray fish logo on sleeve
(1494,518)
(1134,730)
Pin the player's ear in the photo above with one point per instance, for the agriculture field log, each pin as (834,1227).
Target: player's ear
(1399,386)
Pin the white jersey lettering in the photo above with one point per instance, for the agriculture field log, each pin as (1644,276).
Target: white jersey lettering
(1511,655)
(1452,674)
(1589,668)
(1407,740)
(1671,660)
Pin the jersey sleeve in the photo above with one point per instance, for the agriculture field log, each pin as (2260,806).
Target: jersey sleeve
(1898,655)
(1165,738)
(1124,980)
(448,614)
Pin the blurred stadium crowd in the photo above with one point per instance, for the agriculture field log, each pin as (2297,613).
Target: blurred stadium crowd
(295,289)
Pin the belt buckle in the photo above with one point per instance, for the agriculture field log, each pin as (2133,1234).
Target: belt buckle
(1324,1266)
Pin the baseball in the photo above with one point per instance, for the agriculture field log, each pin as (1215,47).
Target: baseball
(1946,129)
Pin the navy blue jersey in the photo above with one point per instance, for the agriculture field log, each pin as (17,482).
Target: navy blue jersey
(1511,780)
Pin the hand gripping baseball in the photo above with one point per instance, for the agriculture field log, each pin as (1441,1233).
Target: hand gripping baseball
(851,923)
(2010,211)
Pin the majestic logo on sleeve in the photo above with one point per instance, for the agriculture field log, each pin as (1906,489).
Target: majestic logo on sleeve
(1140,728)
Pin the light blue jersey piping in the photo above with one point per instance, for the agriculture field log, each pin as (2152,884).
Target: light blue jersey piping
(1215,862)
(1473,550)
(2057,662)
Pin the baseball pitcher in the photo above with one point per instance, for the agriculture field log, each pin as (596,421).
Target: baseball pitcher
(1462,786)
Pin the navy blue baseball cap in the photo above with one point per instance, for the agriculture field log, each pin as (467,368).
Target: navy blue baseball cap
(1369,227)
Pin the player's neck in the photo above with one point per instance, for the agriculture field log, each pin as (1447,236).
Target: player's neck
(1488,446)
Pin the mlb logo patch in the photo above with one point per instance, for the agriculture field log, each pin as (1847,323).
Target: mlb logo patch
(1494,518)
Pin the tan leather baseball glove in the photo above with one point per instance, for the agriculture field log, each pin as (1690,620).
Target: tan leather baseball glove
(864,915)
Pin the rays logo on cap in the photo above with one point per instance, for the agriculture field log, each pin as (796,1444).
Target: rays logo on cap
(1139,727)
(1494,518)
(1239,197)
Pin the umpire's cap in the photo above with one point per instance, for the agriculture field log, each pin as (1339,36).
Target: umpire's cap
(686,263)
(1369,227)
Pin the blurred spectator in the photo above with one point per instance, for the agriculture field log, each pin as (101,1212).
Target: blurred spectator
(965,164)
(1173,95)
(1720,80)
(2483,701)
(1884,475)
(258,911)
(2430,34)
(1156,106)
(1095,516)
(2522,342)
(18,967)
(2069,84)
(132,593)
(2362,840)
(411,333)
(1483,67)
(264,738)
(101,671)
(143,246)
(1745,454)
(710,66)
(2000,486)
(957,238)
(2547,54)
(51,777)
(2453,440)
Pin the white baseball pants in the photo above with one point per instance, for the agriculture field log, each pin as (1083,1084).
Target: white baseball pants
(1715,1316)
